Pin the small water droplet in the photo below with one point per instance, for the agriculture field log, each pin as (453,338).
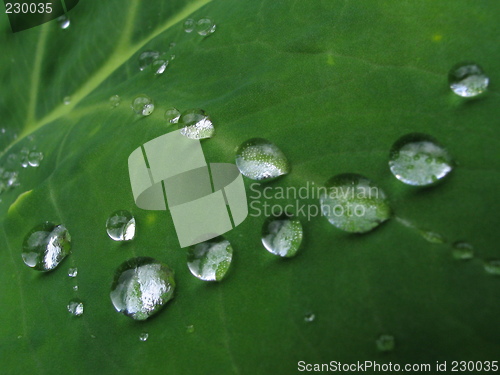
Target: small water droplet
(309,317)
(385,343)
(20,336)
(141,287)
(354,204)
(259,159)
(467,80)
(67,100)
(190,328)
(160,64)
(45,246)
(63,22)
(195,124)
(75,307)
(75,288)
(172,45)
(144,336)
(114,101)
(146,58)
(34,158)
(121,226)
(143,105)
(172,115)
(72,272)
(432,237)
(189,25)
(492,267)
(205,26)
(409,160)
(463,250)
(210,260)
(282,235)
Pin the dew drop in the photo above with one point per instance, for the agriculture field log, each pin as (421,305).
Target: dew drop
(189,25)
(492,267)
(160,64)
(172,115)
(309,317)
(419,160)
(195,124)
(467,80)
(114,101)
(354,204)
(432,237)
(385,343)
(45,246)
(63,22)
(146,58)
(121,226)
(67,100)
(34,158)
(75,307)
(205,26)
(259,159)
(143,105)
(210,260)
(144,336)
(75,288)
(72,272)
(190,328)
(141,287)
(282,235)
(462,250)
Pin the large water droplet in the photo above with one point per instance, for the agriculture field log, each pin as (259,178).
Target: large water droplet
(141,287)
(146,58)
(492,267)
(172,115)
(75,307)
(121,226)
(205,26)
(463,250)
(385,343)
(195,124)
(189,25)
(143,105)
(63,21)
(114,101)
(467,80)
(418,159)
(210,260)
(144,336)
(282,235)
(45,246)
(353,203)
(72,272)
(259,159)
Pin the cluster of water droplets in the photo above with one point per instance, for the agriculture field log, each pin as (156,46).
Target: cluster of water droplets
(204,26)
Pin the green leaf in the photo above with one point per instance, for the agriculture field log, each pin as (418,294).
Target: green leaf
(333,84)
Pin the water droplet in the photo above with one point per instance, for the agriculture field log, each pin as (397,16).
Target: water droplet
(309,317)
(72,272)
(67,100)
(114,101)
(432,237)
(189,25)
(432,163)
(121,226)
(282,235)
(467,80)
(205,26)
(34,158)
(463,250)
(144,336)
(75,288)
(354,204)
(146,58)
(259,159)
(160,64)
(45,246)
(195,124)
(385,343)
(172,115)
(63,22)
(190,328)
(143,105)
(75,307)
(141,287)
(492,267)
(210,260)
